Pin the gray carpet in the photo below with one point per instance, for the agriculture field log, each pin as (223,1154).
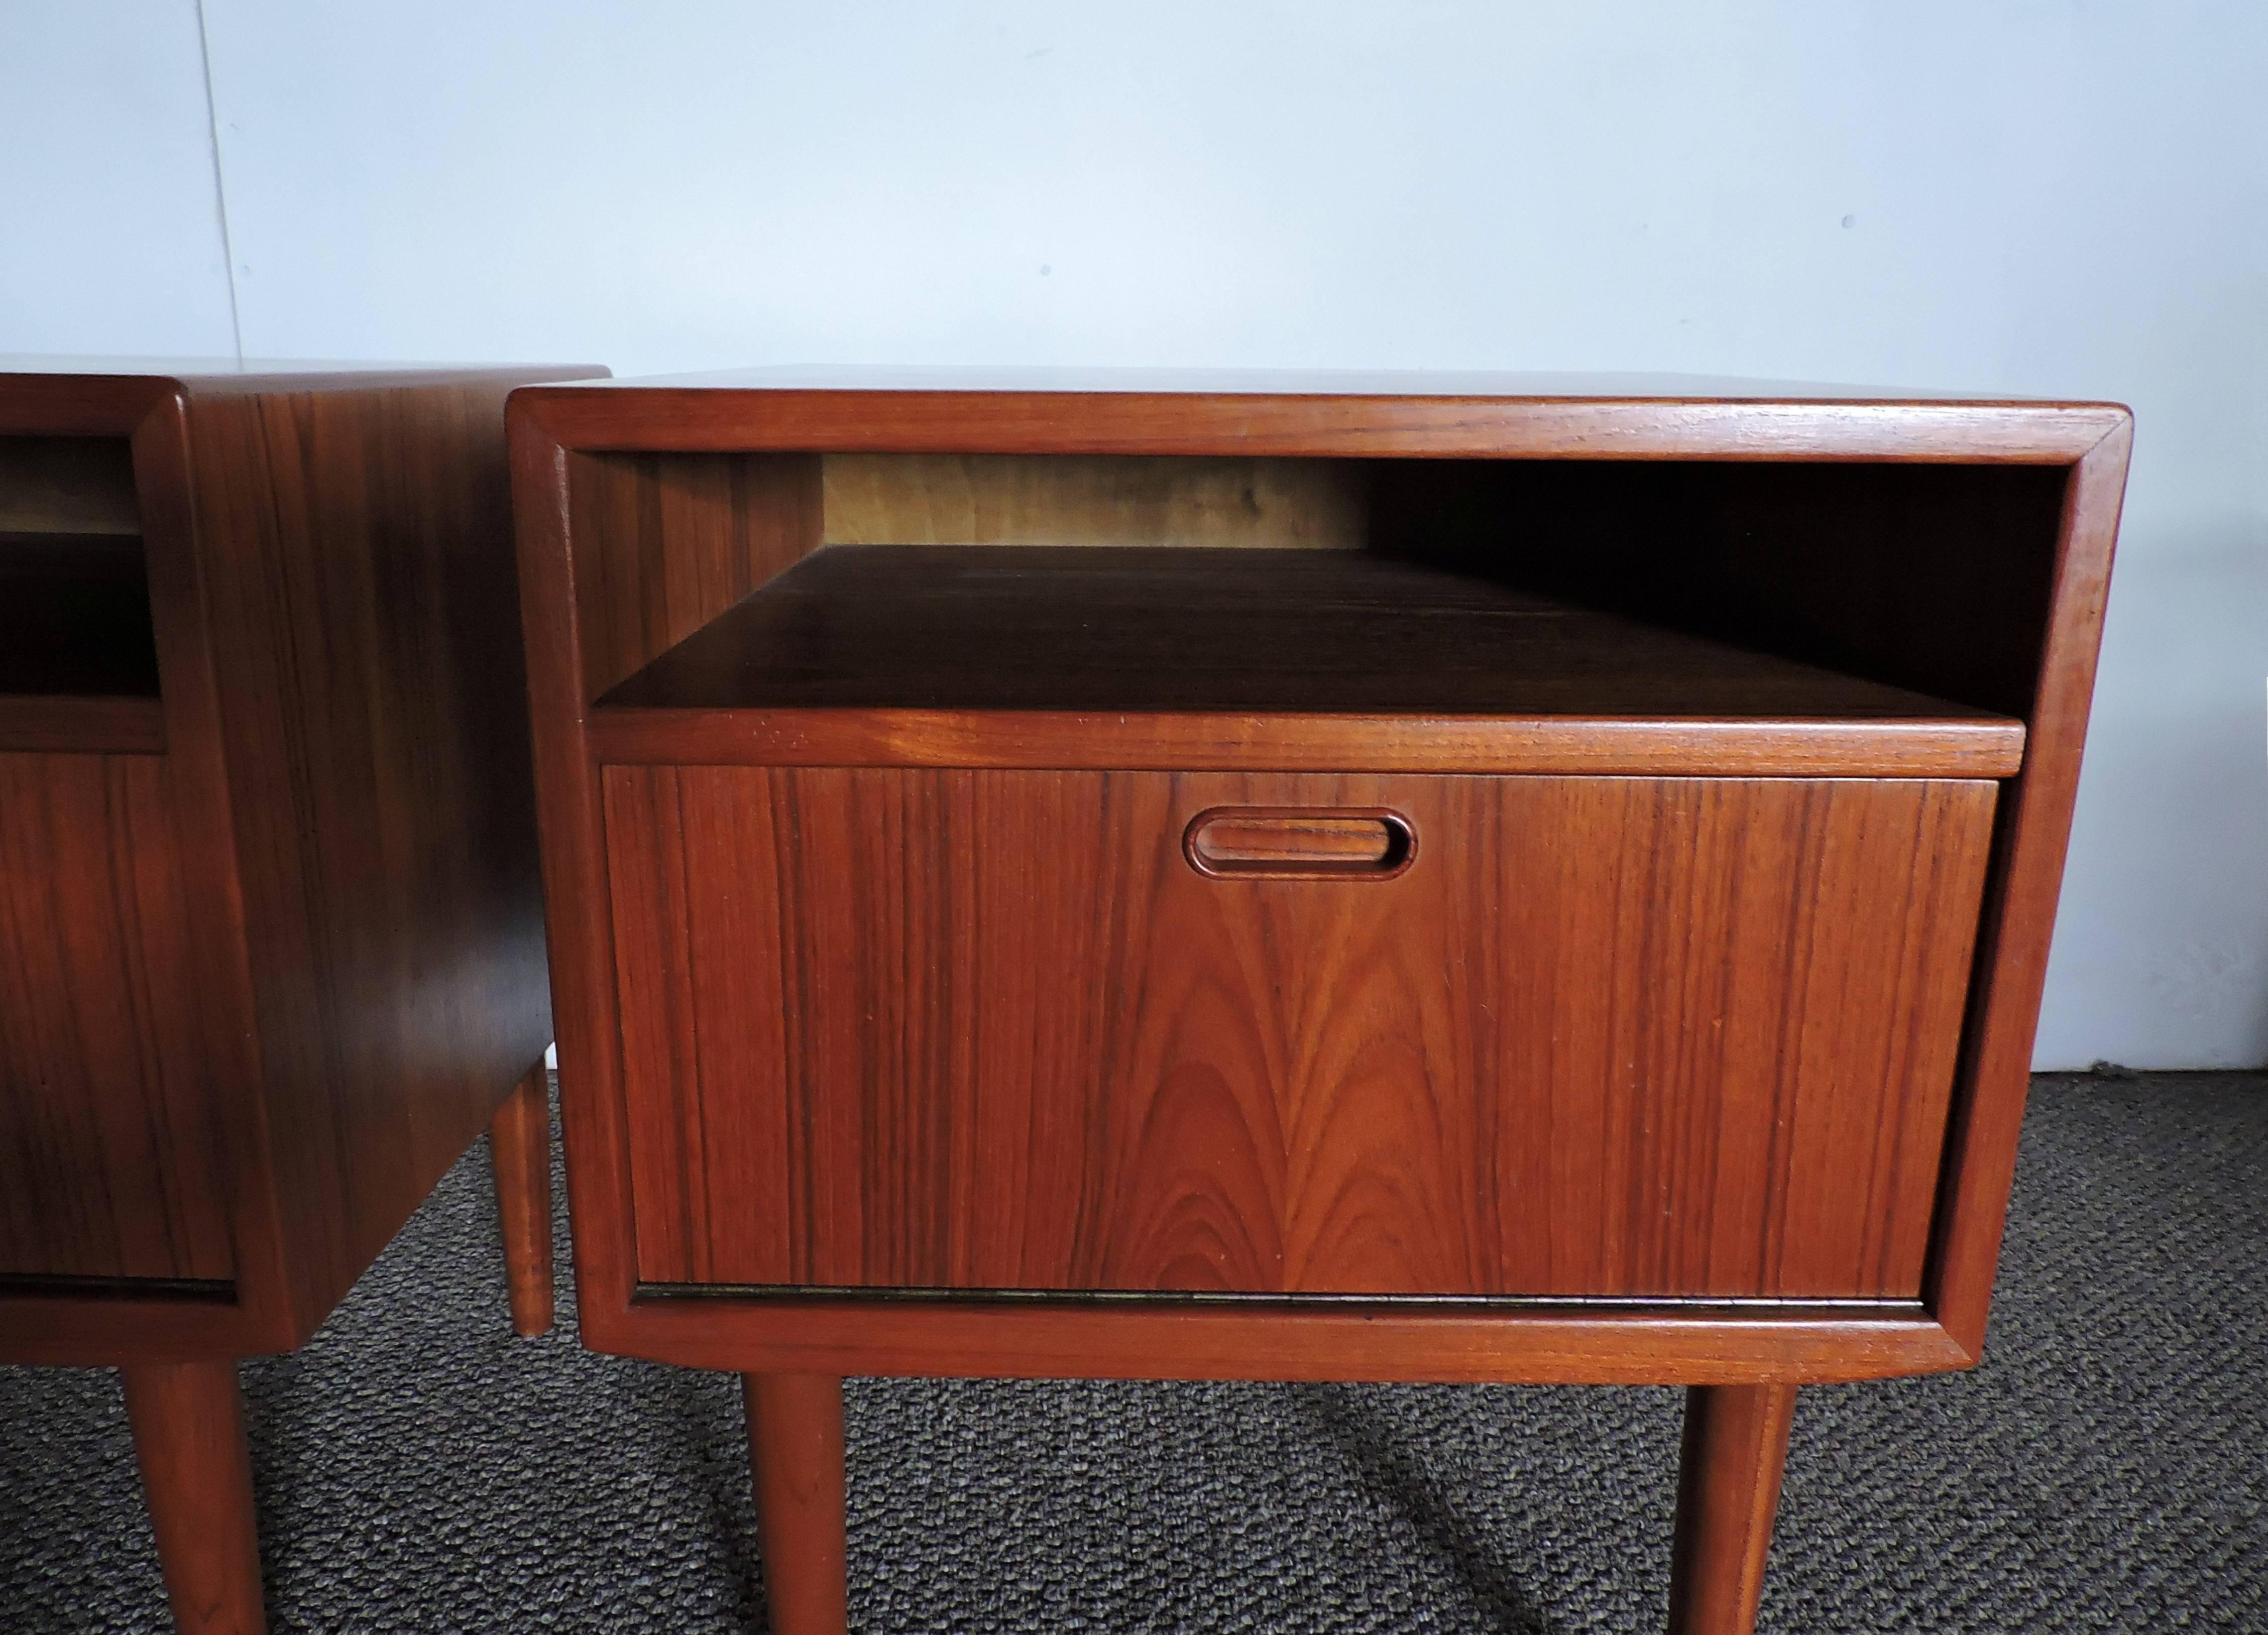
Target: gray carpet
(419,1469)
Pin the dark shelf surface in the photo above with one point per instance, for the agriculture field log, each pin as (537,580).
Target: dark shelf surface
(75,616)
(1165,629)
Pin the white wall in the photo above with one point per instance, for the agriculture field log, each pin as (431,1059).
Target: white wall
(2057,198)
(110,229)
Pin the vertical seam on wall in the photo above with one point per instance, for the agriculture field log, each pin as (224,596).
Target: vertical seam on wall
(220,185)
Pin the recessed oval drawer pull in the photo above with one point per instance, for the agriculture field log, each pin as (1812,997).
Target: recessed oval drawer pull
(1240,843)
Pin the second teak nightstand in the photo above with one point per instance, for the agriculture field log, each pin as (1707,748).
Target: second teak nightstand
(271,940)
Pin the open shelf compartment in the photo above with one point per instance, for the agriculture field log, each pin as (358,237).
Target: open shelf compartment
(74,584)
(1200,611)
(79,659)
(1145,628)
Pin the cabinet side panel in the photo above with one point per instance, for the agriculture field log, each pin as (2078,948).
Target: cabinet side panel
(356,552)
(110,1144)
(993,1030)
(663,544)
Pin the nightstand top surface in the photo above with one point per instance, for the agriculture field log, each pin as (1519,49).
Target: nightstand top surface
(284,373)
(1635,387)
(1360,415)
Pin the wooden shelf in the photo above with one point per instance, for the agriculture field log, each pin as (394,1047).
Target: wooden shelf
(1003,655)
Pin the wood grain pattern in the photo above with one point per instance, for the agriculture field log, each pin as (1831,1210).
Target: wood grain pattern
(1504,419)
(1988,1113)
(1016,499)
(906,990)
(74,1323)
(110,1089)
(1723,448)
(673,542)
(197,1479)
(520,1155)
(262,981)
(1729,1478)
(76,1320)
(795,1449)
(1570,1342)
(1203,741)
(1607,1037)
(271,947)
(376,743)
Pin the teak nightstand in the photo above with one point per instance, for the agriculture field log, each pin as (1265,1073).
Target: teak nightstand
(271,941)
(1454,878)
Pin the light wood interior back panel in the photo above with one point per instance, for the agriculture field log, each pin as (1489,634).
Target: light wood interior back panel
(67,485)
(1092,499)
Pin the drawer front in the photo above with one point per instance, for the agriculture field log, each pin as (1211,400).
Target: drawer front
(1543,1036)
(110,1097)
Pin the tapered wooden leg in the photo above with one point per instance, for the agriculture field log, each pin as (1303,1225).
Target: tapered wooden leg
(1727,1492)
(519,1147)
(795,1444)
(197,1479)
